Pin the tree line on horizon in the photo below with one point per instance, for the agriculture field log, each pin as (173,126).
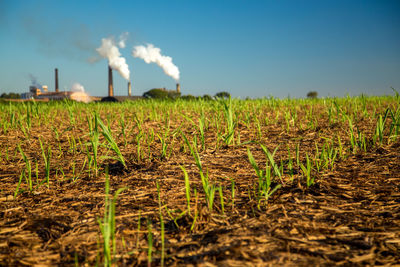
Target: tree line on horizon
(160,93)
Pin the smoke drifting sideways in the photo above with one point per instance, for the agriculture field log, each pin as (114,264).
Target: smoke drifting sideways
(77,87)
(34,81)
(122,39)
(110,51)
(152,54)
(63,37)
(79,94)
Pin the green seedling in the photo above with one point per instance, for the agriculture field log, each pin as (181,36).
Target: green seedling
(221,197)
(105,131)
(290,163)
(264,179)
(123,128)
(230,123)
(164,146)
(28,168)
(138,147)
(277,170)
(107,225)
(209,189)
(196,212)
(187,187)
(162,226)
(200,126)
(94,141)
(307,172)
(46,157)
(19,184)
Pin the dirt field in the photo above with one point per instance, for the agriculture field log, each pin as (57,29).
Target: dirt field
(349,216)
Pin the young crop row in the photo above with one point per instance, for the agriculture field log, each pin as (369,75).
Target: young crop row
(285,142)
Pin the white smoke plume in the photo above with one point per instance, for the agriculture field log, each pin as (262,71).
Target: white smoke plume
(77,87)
(152,54)
(109,50)
(79,93)
(122,39)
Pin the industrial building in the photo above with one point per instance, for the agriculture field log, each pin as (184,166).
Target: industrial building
(43,94)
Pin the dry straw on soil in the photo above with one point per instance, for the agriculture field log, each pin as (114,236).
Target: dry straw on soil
(350,215)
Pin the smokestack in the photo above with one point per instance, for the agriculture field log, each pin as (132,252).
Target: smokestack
(178,88)
(56,74)
(110,82)
(109,50)
(129,89)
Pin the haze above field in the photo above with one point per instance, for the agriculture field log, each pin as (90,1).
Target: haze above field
(248,48)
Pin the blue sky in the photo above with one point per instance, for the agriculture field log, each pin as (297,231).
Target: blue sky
(248,48)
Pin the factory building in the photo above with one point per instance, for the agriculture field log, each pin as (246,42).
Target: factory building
(43,93)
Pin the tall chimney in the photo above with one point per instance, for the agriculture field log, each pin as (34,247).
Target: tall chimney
(110,82)
(129,89)
(56,74)
(178,88)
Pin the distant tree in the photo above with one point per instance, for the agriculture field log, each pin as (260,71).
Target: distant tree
(173,94)
(188,97)
(207,97)
(156,93)
(312,94)
(16,96)
(10,96)
(396,93)
(222,95)
(159,93)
